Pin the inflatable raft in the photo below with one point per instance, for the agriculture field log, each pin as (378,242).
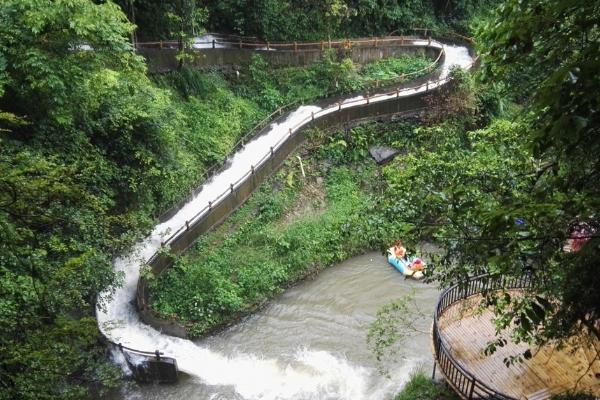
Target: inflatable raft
(404,265)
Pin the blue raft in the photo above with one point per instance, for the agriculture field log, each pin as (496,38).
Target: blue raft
(403,265)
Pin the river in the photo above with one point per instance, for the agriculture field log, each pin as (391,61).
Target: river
(308,343)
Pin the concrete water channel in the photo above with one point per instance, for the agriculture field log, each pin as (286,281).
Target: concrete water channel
(253,365)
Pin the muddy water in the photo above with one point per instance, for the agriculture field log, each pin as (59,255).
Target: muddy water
(310,342)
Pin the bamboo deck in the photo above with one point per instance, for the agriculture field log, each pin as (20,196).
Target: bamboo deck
(550,371)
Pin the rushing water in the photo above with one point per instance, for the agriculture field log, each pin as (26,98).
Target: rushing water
(216,365)
(309,343)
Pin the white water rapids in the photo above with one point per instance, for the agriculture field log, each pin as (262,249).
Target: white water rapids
(313,374)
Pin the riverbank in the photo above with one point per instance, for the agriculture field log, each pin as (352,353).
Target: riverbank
(308,342)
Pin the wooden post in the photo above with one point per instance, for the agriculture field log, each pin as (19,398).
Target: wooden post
(339,106)
(160,45)
(231,187)
(290,131)
(376,41)
(213,43)
(295,47)
(271,151)
(329,42)
(322,45)
(187,225)
(427,86)
(312,115)
(397,92)
(402,40)
(240,43)
(210,205)
(429,44)
(368,99)
(252,169)
(268,46)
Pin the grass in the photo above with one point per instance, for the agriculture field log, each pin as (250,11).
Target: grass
(391,68)
(421,387)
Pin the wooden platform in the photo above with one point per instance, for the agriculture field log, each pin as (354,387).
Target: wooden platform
(550,371)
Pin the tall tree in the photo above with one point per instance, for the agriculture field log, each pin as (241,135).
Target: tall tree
(80,142)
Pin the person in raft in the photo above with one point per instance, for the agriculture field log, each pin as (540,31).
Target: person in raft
(399,250)
(400,253)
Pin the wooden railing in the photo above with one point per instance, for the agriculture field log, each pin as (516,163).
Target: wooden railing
(251,43)
(464,382)
(244,43)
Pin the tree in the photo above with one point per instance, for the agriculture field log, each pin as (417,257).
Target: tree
(510,198)
(82,141)
(555,46)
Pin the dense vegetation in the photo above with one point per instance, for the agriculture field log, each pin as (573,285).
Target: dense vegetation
(298,19)
(526,200)
(421,387)
(92,149)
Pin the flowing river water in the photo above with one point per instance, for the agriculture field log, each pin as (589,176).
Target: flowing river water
(310,342)
(271,373)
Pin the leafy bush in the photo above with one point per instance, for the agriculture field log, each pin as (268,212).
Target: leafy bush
(391,68)
(421,387)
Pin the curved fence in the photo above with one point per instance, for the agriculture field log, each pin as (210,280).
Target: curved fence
(216,40)
(384,103)
(229,55)
(464,382)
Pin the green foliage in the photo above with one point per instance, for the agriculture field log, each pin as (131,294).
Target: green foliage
(180,20)
(316,20)
(395,322)
(420,387)
(391,68)
(299,19)
(550,66)
(273,87)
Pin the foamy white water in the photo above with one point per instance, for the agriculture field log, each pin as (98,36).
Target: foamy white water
(314,373)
